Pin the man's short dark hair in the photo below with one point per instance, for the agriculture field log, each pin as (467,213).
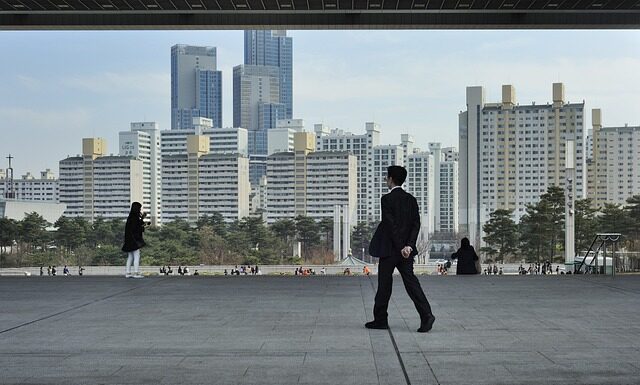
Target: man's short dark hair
(398,174)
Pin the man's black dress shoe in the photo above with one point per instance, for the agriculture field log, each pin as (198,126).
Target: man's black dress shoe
(427,324)
(376,325)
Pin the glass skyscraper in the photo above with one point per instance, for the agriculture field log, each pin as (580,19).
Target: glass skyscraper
(273,48)
(196,86)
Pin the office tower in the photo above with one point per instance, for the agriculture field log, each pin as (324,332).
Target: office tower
(361,146)
(32,188)
(197,183)
(614,175)
(310,183)
(96,185)
(196,86)
(275,49)
(143,143)
(257,108)
(511,153)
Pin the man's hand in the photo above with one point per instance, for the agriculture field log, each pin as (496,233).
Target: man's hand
(406,251)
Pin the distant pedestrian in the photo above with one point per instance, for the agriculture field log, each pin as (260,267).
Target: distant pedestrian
(49,271)
(65,271)
(500,272)
(185,271)
(225,272)
(195,272)
(41,271)
(133,240)
(53,270)
(467,257)
(180,272)
(80,270)
(256,269)
(495,269)
(557,269)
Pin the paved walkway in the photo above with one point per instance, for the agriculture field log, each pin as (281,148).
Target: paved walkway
(309,330)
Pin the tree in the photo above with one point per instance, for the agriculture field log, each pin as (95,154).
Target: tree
(215,222)
(212,246)
(632,215)
(531,232)
(586,224)
(285,229)
(33,233)
(70,233)
(308,233)
(8,234)
(501,234)
(326,228)
(361,236)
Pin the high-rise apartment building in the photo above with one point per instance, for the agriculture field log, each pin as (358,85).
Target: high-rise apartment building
(197,183)
(511,153)
(257,107)
(310,183)
(446,187)
(275,49)
(280,139)
(421,176)
(361,146)
(31,188)
(383,157)
(143,142)
(614,172)
(221,140)
(196,86)
(96,185)
(320,185)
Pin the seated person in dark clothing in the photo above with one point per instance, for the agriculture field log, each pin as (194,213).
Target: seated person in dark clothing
(466,257)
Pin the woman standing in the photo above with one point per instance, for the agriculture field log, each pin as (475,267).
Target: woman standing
(133,240)
(466,257)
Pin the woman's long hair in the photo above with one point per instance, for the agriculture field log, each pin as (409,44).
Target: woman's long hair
(136,208)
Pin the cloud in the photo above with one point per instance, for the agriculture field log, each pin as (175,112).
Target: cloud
(46,120)
(146,85)
(29,82)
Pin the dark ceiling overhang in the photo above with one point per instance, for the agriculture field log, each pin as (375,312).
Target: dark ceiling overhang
(318,14)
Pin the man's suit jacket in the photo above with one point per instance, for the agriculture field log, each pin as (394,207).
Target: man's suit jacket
(399,227)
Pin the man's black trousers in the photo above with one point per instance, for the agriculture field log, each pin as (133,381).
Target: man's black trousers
(411,284)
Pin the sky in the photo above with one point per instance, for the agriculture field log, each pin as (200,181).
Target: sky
(58,87)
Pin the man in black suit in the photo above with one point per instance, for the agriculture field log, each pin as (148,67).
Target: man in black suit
(394,242)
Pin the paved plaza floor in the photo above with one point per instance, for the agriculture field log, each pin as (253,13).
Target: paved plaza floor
(309,330)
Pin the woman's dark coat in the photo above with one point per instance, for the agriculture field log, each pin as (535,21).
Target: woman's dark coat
(467,258)
(133,233)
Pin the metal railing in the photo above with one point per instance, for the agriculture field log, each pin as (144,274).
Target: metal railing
(604,242)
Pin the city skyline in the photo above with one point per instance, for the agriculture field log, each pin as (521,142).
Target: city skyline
(341,79)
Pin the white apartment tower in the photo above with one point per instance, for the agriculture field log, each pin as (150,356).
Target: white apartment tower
(510,153)
(95,185)
(383,157)
(310,183)
(317,184)
(143,143)
(446,187)
(614,173)
(421,184)
(30,188)
(362,146)
(197,183)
